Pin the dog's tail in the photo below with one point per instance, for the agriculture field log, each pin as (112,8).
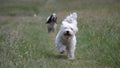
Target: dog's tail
(72,18)
(73,15)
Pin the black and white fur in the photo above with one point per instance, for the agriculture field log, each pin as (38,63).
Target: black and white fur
(51,23)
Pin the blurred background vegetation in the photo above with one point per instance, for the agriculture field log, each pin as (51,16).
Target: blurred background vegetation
(25,43)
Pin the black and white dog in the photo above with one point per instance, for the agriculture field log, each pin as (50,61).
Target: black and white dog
(51,23)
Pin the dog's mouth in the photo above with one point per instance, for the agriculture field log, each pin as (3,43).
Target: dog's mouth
(67,35)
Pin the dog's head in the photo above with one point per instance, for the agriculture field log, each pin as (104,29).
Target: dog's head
(52,18)
(68,30)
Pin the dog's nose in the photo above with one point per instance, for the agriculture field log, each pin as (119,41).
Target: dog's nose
(67,32)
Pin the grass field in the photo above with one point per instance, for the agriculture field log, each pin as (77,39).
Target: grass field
(25,43)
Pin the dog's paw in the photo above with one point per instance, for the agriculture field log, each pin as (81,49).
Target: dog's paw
(62,52)
(72,58)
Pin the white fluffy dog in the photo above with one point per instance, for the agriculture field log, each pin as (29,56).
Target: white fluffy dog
(66,39)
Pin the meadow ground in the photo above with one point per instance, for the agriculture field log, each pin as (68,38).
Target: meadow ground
(25,43)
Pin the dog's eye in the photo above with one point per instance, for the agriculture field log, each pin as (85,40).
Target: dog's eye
(71,28)
(65,28)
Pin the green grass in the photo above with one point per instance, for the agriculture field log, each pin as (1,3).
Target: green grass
(25,43)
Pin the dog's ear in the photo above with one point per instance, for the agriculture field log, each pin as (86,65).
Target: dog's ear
(49,19)
(55,19)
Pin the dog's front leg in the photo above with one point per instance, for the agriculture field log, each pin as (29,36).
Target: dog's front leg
(71,52)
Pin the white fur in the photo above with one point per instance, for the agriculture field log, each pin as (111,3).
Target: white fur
(66,39)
